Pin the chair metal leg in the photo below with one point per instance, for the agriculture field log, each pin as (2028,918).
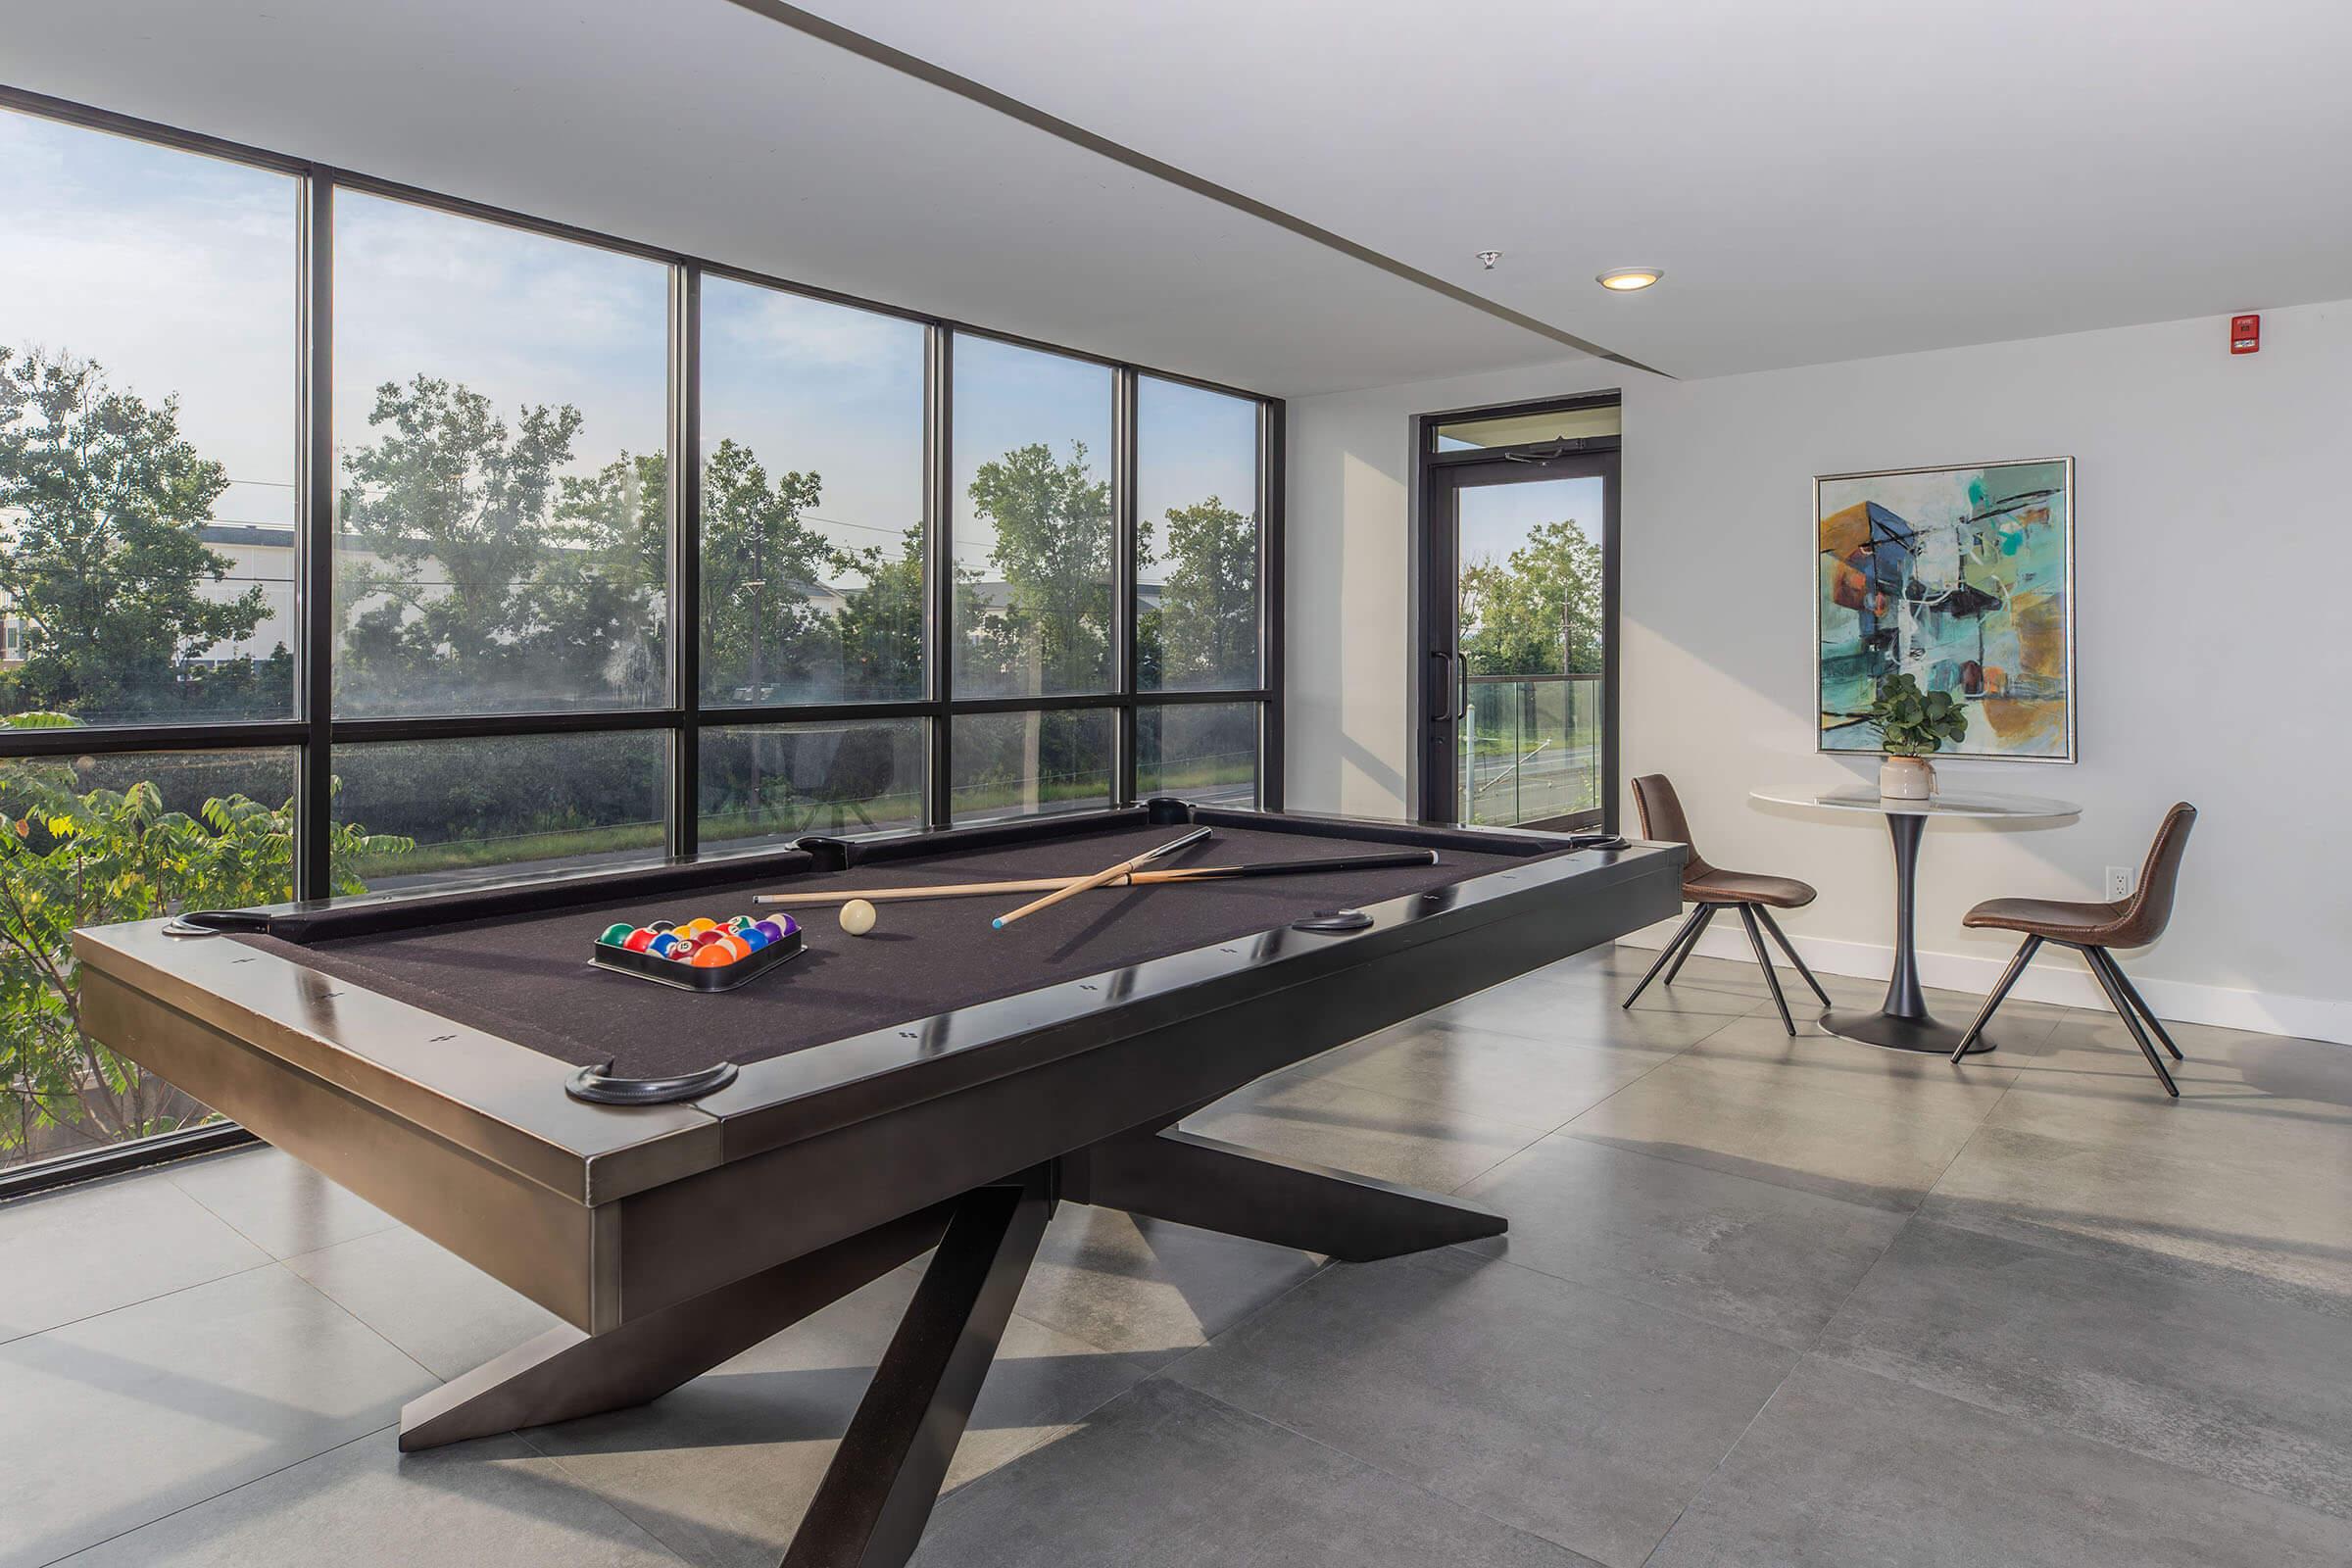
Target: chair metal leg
(1781,937)
(1755,939)
(1687,934)
(2017,966)
(2115,971)
(2123,1009)
(1707,913)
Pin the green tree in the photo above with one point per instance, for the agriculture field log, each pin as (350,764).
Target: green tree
(762,567)
(100,553)
(72,858)
(1054,549)
(481,575)
(601,594)
(1538,612)
(1204,630)
(881,620)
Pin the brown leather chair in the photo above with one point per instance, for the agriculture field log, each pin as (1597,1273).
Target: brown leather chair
(1712,887)
(2091,929)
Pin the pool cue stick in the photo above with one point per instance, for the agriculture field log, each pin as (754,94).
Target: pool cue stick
(1143,879)
(1107,874)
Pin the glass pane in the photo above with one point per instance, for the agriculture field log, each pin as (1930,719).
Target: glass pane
(80,848)
(435,812)
(1531,639)
(813,499)
(1021,764)
(1205,753)
(147,430)
(1519,429)
(1032,523)
(779,781)
(500,419)
(1196,578)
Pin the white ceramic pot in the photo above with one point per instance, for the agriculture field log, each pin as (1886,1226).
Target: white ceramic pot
(1906,778)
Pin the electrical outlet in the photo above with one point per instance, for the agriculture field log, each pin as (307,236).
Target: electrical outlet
(2118,883)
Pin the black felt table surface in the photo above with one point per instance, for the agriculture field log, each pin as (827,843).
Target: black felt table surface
(529,980)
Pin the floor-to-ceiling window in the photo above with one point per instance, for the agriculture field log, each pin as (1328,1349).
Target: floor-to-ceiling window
(356,539)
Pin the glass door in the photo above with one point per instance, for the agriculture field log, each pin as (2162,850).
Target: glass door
(1521,614)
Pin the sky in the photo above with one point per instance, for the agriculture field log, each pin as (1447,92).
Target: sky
(177,272)
(1494,518)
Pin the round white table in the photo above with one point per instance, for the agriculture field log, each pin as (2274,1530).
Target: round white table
(1903,1022)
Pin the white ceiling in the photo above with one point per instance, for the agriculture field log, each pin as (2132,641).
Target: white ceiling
(696,126)
(1821,179)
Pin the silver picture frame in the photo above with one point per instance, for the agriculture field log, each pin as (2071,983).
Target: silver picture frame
(2066,466)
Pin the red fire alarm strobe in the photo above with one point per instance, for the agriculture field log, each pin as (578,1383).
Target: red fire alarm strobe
(2245,334)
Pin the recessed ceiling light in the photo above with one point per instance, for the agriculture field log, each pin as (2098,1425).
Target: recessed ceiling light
(1625,279)
(1487,259)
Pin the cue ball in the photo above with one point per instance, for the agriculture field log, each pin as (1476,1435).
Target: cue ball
(857,917)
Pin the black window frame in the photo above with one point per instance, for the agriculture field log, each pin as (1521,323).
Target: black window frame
(1430,601)
(314,732)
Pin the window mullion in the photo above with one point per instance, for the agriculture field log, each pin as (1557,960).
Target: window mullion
(684,822)
(314,522)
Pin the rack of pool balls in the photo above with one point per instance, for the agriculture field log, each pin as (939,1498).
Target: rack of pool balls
(703,955)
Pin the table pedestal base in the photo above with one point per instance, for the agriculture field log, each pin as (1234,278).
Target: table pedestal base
(1922,1035)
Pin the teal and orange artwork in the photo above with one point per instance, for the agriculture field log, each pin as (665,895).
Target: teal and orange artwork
(1962,578)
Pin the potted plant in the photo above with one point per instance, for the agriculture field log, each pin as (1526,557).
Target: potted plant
(1913,725)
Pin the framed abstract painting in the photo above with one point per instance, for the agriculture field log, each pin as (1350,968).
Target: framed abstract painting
(1961,577)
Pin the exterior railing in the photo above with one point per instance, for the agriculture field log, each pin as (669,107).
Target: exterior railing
(1530,748)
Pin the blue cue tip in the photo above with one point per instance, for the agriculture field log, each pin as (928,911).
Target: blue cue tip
(997,924)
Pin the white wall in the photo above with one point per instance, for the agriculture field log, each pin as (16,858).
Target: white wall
(2214,643)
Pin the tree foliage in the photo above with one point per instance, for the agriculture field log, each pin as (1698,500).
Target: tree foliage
(1053,545)
(1539,612)
(73,858)
(1203,632)
(100,557)
(480,576)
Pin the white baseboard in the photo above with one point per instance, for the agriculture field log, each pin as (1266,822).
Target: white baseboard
(2056,975)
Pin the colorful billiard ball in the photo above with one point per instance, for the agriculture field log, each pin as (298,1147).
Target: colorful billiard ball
(857,917)
(665,945)
(615,935)
(734,946)
(697,926)
(638,940)
(755,938)
(710,957)
(775,928)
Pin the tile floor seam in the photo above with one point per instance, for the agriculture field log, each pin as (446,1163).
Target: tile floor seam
(174,1514)
(1722,1459)
(372,1330)
(1643,1302)
(1252,1316)
(124,1307)
(2122,1256)
(2070,1435)
(1555,1131)
(587,1484)
(1672,1057)
(2052,1428)
(1247,1414)
(167,1171)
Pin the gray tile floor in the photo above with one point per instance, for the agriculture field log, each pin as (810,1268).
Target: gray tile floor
(1764,1301)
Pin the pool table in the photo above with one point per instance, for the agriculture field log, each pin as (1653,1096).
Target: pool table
(934,1085)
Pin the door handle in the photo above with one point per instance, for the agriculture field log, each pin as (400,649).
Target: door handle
(1452,707)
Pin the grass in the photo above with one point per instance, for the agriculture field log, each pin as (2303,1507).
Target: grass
(991,798)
